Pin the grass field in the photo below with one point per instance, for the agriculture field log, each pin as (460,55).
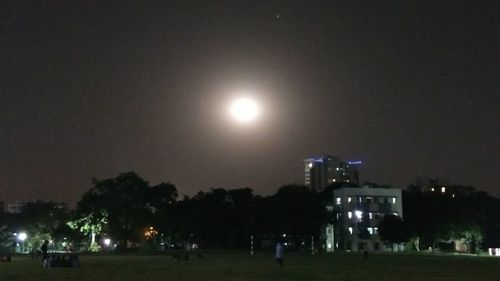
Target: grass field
(239,266)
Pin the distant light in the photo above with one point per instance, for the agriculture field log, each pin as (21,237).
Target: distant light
(443,189)
(107,242)
(22,236)
(370,230)
(358,214)
(349,214)
(354,162)
(284,235)
(310,165)
(350,230)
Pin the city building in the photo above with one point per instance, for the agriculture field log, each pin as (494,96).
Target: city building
(15,207)
(357,212)
(442,186)
(327,169)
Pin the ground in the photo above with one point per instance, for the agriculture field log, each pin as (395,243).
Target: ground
(239,266)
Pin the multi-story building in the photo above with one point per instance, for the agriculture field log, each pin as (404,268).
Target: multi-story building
(327,169)
(357,214)
(14,207)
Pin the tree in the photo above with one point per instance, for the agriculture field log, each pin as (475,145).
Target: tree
(41,221)
(130,205)
(393,230)
(90,225)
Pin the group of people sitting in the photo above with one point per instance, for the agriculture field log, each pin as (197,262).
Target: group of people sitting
(57,260)
(61,261)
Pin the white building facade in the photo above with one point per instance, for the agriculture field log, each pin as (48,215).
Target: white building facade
(358,211)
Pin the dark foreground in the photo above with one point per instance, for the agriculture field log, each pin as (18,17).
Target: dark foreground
(239,266)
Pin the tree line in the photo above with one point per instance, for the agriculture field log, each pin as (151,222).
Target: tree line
(131,213)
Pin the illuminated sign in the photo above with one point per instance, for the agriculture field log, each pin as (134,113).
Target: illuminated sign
(354,162)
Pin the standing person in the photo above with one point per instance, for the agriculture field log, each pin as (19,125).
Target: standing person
(45,255)
(279,253)
(365,252)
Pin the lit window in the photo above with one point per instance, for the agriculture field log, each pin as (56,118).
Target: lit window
(360,199)
(370,230)
(347,180)
(453,196)
(358,214)
(393,200)
(432,189)
(396,214)
(349,215)
(338,215)
(443,189)
(338,200)
(310,165)
(350,230)
(349,199)
(337,169)
(334,180)
(375,230)
(370,215)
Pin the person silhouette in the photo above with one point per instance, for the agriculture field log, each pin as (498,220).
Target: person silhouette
(279,253)
(45,255)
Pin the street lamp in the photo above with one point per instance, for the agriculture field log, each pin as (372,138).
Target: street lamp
(21,237)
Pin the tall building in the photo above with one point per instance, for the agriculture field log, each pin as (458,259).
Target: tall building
(358,211)
(327,169)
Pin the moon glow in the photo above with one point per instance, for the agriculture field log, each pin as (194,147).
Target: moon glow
(244,110)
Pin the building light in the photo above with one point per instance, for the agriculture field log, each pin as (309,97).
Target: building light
(338,199)
(370,230)
(310,165)
(350,230)
(375,230)
(443,189)
(393,200)
(358,214)
(432,189)
(334,180)
(349,199)
(346,180)
(370,215)
(337,169)
(453,196)
(329,245)
(349,215)
(396,214)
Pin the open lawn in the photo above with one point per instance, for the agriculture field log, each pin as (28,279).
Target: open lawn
(239,266)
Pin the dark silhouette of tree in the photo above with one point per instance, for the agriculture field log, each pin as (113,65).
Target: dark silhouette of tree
(393,230)
(130,204)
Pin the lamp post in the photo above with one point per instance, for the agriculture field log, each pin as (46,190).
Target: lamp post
(21,237)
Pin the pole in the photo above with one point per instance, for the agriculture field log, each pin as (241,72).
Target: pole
(312,245)
(251,245)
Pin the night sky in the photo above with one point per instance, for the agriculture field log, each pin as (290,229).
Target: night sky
(95,88)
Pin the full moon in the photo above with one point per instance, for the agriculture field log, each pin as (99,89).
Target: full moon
(244,110)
